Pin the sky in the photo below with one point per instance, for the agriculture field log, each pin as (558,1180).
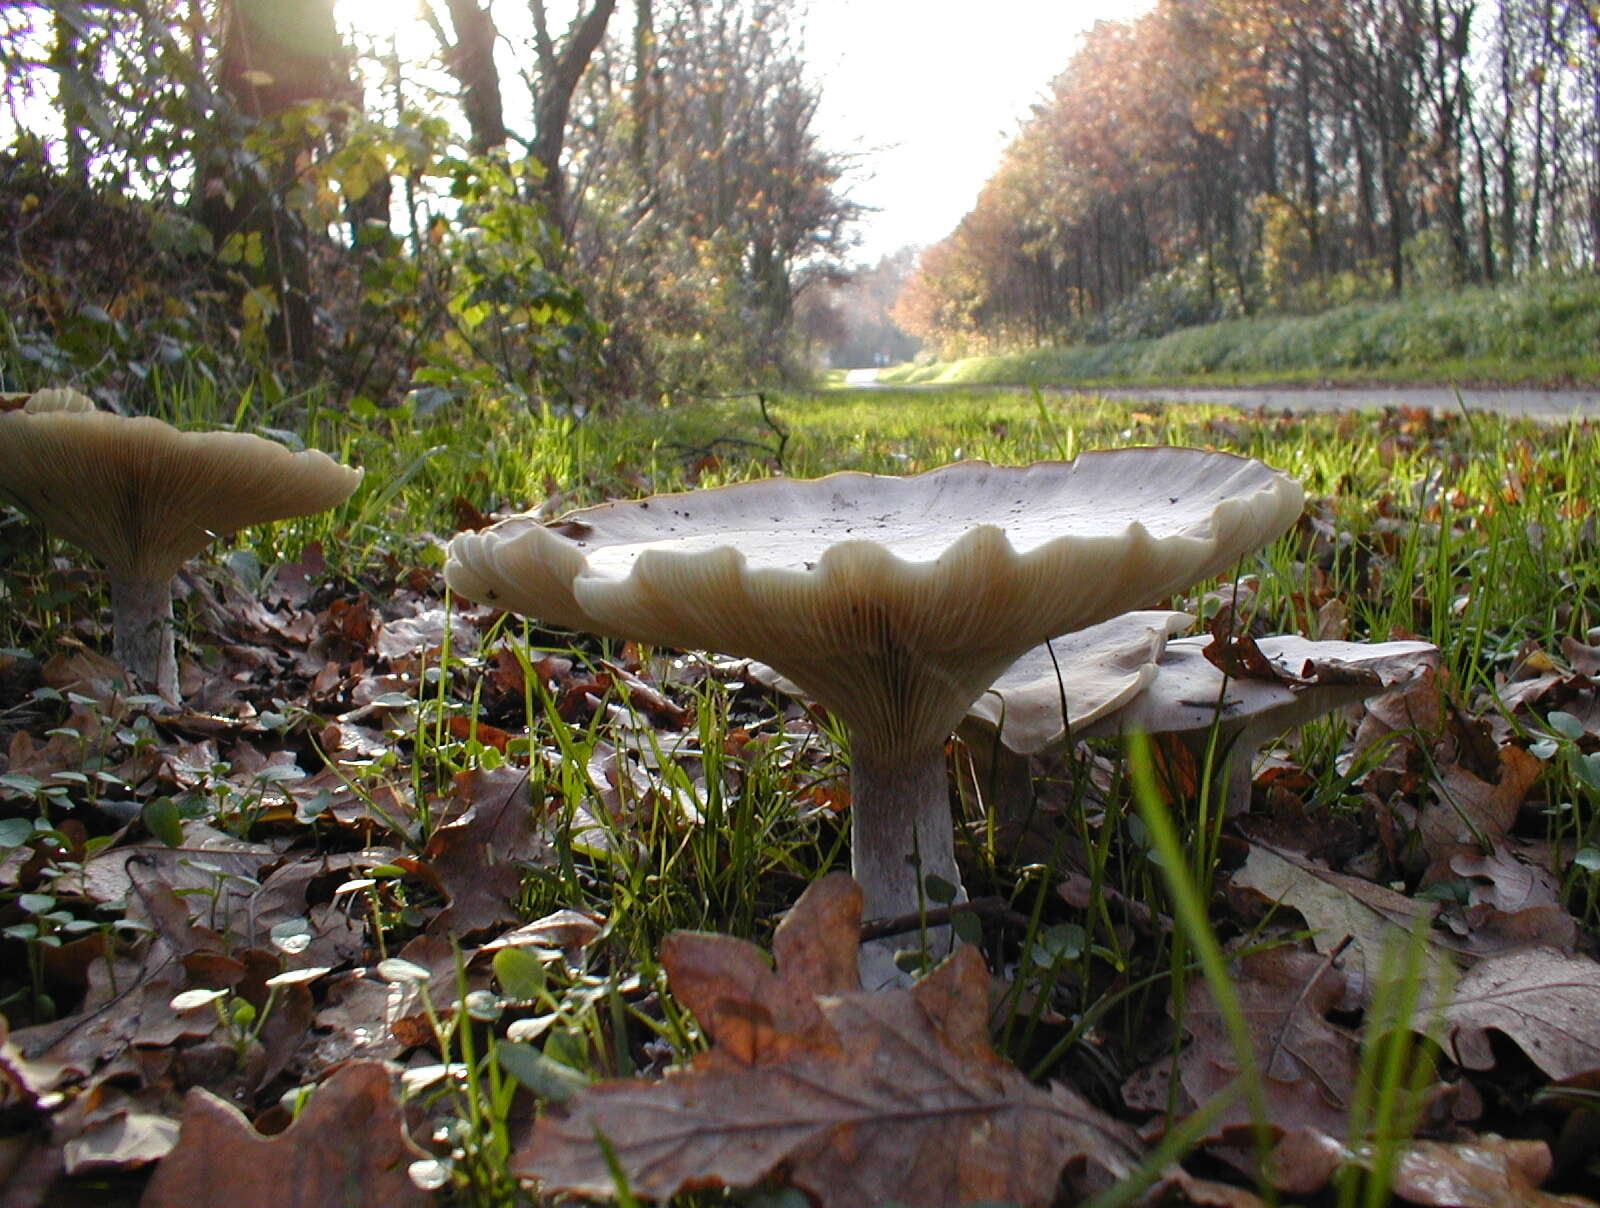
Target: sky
(926,93)
(930,92)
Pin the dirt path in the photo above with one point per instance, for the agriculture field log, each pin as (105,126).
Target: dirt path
(1510,400)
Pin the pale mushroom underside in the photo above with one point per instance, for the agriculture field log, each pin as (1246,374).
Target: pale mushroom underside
(893,602)
(142,496)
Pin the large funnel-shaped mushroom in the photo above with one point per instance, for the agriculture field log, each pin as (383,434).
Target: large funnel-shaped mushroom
(892,602)
(143,497)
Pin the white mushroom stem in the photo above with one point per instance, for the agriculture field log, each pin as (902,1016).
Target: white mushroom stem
(900,828)
(141,632)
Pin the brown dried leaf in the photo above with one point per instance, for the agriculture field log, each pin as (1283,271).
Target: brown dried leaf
(745,1007)
(1470,811)
(353,1023)
(1237,656)
(1487,1173)
(406,1012)
(425,633)
(336,929)
(88,673)
(1337,906)
(348,1147)
(22,1081)
(1516,904)
(1403,722)
(1543,1000)
(648,699)
(128,998)
(860,1098)
(570,931)
(1307,1063)
(122,1140)
(213,869)
(478,858)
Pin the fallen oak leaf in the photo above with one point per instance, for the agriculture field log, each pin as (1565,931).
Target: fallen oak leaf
(1237,656)
(859,1098)
(746,1008)
(477,858)
(647,698)
(1307,1063)
(348,1147)
(465,729)
(1542,999)
(1336,906)
(128,1000)
(1489,1172)
(120,1136)
(567,931)
(1513,904)
(1470,811)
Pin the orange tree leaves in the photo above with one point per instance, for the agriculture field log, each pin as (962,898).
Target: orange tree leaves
(348,1147)
(859,1098)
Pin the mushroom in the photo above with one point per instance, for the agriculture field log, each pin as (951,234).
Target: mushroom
(893,602)
(58,398)
(1055,690)
(1190,695)
(1074,679)
(143,497)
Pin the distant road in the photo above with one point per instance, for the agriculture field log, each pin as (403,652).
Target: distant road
(1510,400)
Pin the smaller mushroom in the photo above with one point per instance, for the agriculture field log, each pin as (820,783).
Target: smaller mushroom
(1189,695)
(1054,690)
(1125,675)
(143,497)
(60,398)
(1075,679)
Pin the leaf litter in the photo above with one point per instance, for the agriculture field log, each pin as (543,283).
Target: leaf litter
(310,840)
(860,1097)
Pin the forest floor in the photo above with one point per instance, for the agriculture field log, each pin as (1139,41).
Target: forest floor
(406,885)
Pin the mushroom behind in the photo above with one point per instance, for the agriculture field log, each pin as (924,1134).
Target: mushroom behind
(143,497)
(1190,696)
(892,602)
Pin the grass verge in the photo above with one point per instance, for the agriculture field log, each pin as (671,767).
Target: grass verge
(1535,335)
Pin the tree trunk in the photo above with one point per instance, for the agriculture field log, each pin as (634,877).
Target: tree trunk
(471,61)
(560,70)
(66,58)
(275,55)
(643,100)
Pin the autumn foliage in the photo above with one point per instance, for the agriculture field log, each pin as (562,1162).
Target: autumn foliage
(1215,158)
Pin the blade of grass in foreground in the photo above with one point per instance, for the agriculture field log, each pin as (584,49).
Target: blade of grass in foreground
(1189,908)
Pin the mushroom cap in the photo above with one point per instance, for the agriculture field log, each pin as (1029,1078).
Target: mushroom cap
(891,601)
(1186,691)
(58,398)
(1089,674)
(142,496)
